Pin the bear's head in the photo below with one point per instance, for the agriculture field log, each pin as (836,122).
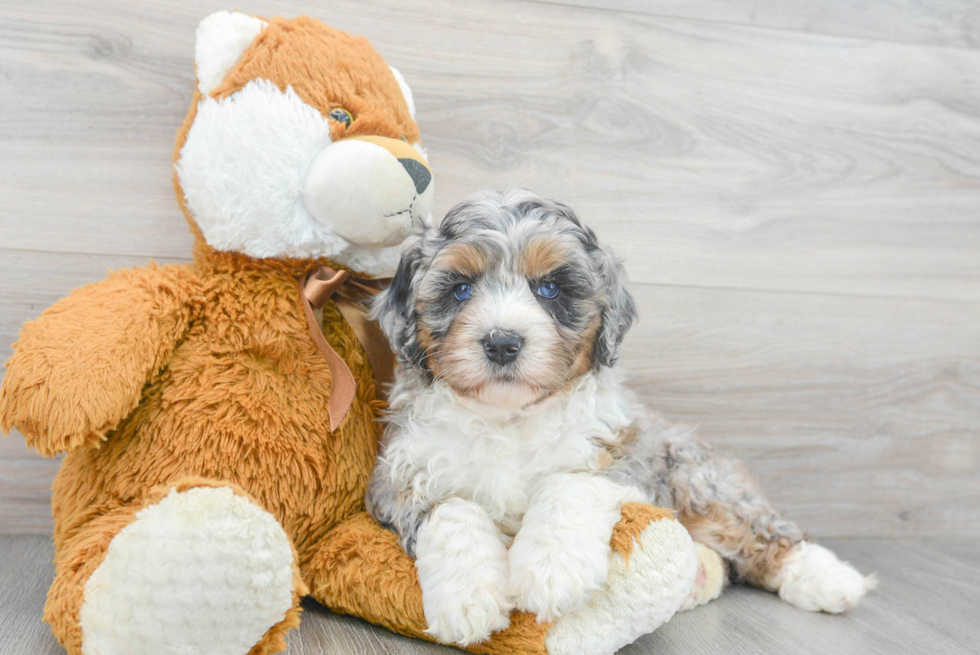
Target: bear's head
(301,143)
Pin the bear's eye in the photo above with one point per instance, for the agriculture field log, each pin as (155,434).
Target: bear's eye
(341,116)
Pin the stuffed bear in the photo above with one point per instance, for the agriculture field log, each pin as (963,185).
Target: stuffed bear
(219,432)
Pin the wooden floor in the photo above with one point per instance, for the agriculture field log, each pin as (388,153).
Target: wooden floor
(927,602)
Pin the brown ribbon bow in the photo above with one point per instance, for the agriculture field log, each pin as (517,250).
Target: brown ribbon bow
(349,293)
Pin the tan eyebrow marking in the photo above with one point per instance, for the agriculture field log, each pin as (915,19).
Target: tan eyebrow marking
(542,255)
(464,258)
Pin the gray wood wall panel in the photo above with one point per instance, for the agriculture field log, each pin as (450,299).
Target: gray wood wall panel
(798,211)
(712,154)
(954,23)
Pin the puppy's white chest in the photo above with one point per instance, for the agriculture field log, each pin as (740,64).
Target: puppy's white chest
(500,462)
(502,467)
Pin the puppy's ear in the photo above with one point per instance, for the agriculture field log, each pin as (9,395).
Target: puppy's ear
(619,308)
(394,308)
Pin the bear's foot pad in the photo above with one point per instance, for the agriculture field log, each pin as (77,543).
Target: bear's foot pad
(202,571)
(642,593)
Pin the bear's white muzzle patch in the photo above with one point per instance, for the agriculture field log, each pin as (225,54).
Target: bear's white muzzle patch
(366,193)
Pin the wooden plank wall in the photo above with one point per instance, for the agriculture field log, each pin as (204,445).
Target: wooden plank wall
(795,187)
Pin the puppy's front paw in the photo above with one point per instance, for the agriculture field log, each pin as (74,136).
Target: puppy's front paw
(813,579)
(462,567)
(466,610)
(550,577)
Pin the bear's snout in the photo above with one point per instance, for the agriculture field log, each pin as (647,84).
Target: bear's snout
(370,190)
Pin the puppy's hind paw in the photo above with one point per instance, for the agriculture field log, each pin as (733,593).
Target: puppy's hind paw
(711,578)
(813,579)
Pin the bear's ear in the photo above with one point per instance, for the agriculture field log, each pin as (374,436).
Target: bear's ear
(406,90)
(222,38)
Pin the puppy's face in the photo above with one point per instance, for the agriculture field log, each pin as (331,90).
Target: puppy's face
(507,301)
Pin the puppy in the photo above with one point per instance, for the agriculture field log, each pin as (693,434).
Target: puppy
(512,442)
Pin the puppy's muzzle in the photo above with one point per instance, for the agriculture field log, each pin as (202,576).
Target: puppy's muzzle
(502,348)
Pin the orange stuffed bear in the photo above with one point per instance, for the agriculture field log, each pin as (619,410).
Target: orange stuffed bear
(206,487)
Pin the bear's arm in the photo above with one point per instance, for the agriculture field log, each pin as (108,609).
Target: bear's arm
(79,369)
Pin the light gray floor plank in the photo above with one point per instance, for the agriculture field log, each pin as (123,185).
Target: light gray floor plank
(926,603)
(916,610)
(26,572)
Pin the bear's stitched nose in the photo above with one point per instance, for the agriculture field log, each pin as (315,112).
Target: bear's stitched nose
(419,173)
(502,347)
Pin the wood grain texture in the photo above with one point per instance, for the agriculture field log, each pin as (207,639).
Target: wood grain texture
(26,572)
(711,154)
(926,603)
(25,495)
(859,415)
(798,211)
(854,426)
(943,22)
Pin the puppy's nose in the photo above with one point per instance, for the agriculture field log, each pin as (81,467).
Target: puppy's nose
(418,172)
(502,347)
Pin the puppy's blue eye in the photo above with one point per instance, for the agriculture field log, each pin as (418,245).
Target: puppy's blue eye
(462,291)
(547,290)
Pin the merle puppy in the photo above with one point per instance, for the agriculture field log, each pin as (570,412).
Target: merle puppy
(509,423)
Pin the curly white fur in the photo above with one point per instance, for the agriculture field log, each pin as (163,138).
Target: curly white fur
(814,579)
(449,446)
(560,556)
(461,559)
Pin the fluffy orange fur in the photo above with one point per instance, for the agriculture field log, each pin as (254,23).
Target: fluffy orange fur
(206,375)
(327,69)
